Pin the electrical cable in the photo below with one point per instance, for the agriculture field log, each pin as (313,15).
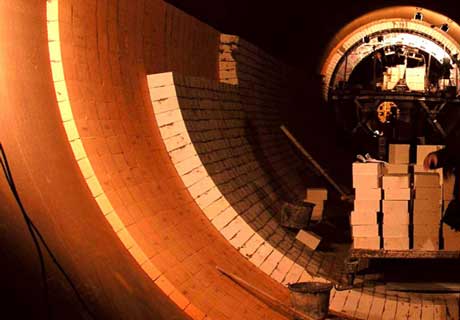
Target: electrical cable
(36,235)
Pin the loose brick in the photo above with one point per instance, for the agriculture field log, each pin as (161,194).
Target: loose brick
(372,243)
(360,218)
(400,243)
(399,153)
(368,194)
(397,194)
(396,181)
(367,206)
(393,168)
(308,238)
(426,180)
(366,181)
(367,168)
(370,230)
(395,231)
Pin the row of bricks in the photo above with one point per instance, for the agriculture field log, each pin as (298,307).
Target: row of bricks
(203,84)
(215,135)
(225,65)
(271,77)
(256,51)
(220,144)
(245,66)
(231,167)
(224,47)
(196,113)
(229,128)
(245,71)
(260,66)
(218,164)
(251,78)
(224,158)
(165,92)
(200,173)
(234,240)
(252,52)
(222,172)
(212,153)
(227,70)
(185,103)
(252,102)
(189,102)
(222,161)
(172,78)
(107,209)
(365,304)
(197,125)
(252,98)
(239,196)
(260,88)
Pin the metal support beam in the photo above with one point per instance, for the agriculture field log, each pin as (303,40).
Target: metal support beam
(432,114)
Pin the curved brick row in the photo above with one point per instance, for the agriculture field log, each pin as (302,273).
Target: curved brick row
(84,111)
(89,175)
(202,124)
(109,125)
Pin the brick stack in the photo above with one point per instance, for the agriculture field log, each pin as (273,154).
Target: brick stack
(427,211)
(367,181)
(451,237)
(397,194)
(317,196)
(427,202)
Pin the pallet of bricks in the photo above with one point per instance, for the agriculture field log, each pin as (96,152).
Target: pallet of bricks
(411,206)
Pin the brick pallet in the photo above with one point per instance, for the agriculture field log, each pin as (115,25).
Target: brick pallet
(412,205)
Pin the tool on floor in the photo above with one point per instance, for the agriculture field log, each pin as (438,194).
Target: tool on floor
(344,195)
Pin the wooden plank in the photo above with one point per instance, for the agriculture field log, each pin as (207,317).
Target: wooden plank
(389,311)
(352,302)
(364,306)
(427,309)
(452,304)
(313,161)
(415,308)
(402,308)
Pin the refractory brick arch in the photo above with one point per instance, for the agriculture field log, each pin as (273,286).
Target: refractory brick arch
(204,127)
(96,176)
(101,89)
